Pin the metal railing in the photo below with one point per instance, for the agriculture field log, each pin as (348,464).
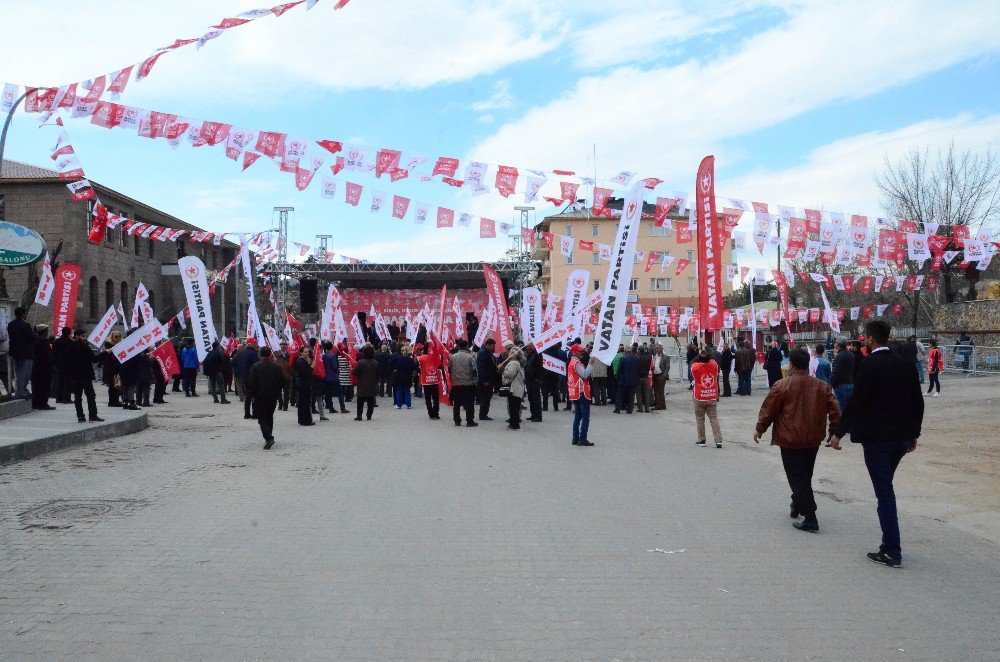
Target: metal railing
(971,360)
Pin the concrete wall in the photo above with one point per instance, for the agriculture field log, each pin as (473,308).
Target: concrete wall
(981,319)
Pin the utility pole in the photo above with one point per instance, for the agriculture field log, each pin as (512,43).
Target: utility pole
(6,125)
(281,281)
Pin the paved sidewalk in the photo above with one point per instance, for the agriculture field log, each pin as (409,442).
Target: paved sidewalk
(404,538)
(39,432)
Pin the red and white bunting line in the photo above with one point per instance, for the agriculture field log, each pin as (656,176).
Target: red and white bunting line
(91,91)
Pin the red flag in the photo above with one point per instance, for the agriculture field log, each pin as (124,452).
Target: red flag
(100,225)
(107,114)
(340,4)
(80,190)
(663,207)
(528,237)
(487,228)
(278,10)
(651,260)
(332,146)
(166,358)
(601,197)
(549,239)
(65,294)
(121,80)
(710,274)
(399,206)
(586,245)
(147,65)
(445,166)
(651,182)
(96,90)
(227,23)
(682,264)
(897,309)
(494,286)
(684,234)
(212,133)
(352,193)
(385,160)
(249,158)
(271,144)
(445,217)
(506,180)
(960,233)
(293,323)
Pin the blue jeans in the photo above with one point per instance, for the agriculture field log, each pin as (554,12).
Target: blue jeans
(22,371)
(401,396)
(882,460)
(581,419)
(843,394)
(921,370)
(743,383)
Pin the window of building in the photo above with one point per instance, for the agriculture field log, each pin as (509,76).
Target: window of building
(660,284)
(124,296)
(107,234)
(597,284)
(3,210)
(569,259)
(595,230)
(662,231)
(181,248)
(109,293)
(136,244)
(152,249)
(215,259)
(569,230)
(690,284)
(690,255)
(633,285)
(597,257)
(95,304)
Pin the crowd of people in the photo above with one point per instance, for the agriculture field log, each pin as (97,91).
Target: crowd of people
(868,388)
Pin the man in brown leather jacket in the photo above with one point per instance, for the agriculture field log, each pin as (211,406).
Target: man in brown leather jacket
(799,407)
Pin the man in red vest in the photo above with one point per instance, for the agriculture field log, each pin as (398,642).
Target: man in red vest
(578,385)
(705,372)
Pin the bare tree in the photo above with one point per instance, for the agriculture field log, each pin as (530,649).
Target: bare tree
(953,189)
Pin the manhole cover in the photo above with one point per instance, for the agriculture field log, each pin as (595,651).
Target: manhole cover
(64,513)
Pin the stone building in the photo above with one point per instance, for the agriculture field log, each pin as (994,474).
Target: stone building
(653,287)
(36,198)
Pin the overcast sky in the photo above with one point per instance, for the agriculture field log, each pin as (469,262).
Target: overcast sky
(799,101)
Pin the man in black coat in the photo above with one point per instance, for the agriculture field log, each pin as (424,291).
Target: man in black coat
(533,373)
(61,383)
(725,361)
(884,416)
(264,388)
(41,369)
(486,367)
(79,363)
(22,351)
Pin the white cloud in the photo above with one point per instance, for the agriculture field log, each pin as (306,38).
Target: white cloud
(840,176)
(661,121)
(366,45)
(500,98)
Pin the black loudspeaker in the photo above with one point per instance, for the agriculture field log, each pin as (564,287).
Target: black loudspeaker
(308,296)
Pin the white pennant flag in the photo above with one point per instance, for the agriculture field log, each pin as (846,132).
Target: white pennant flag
(831,318)
(103,328)
(566,246)
(46,284)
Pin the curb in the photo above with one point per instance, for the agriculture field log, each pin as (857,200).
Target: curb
(13,408)
(85,435)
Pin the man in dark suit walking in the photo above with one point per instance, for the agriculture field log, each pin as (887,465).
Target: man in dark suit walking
(884,416)
(264,384)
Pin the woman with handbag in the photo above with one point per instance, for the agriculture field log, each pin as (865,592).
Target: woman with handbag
(512,385)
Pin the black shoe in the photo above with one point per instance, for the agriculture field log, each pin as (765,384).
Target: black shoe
(246,416)
(793,511)
(269,443)
(718,444)
(700,444)
(534,420)
(458,424)
(472,424)
(485,418)
(187,395)
(47,408)
(576,443)
(81,419)
(585,443)
(881,557)
(225,402)
(96,419)
(812,527)
(215,399)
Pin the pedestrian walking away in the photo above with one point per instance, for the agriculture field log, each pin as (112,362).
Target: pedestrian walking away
(799,407)
(264,384)
(512,385)
(884,416)
(842,374)
(303,371)
(367,372)
(462,369)
(487,377)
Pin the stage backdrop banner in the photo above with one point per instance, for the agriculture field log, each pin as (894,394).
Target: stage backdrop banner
(199,307)
(710,305)
(396,304)
(67,289)
(611,319)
